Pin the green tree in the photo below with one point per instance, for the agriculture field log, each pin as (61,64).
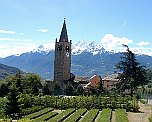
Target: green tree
(2,104)
(19,83)
(3,89)
(46,90)
(79,90)
(32,83)
(94,90)
(25,83)
(6,84)
(101,88)
(69,89)
(12,107)
(132,74)
(26,100)
(57,89)
(149,74)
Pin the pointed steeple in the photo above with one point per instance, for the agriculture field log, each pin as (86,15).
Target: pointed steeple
(64,36)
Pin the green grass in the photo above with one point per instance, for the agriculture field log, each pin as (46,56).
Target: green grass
(45,116)
(142,101)
(90,115)
(104,116)
(150,119)
(76,115)
(31,110)
(39,113)
(62,115)
(121,115)
(24,120)
(5,120)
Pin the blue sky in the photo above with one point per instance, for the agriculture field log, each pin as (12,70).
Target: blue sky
(26,24)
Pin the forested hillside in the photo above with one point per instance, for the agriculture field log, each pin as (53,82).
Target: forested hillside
(7,70)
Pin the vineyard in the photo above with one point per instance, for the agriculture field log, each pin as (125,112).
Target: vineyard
(88,102)
(78,108)
(81,109)
(75,115)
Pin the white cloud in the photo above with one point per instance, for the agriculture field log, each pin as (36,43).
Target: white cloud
(15,46)
(111,42)
(43,30)
(21,33)
(142,50)
(143,43)
(7,39)
(124,24)
(7,32)
(16,49)
(11,46)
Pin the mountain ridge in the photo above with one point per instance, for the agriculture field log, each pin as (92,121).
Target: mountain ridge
(87,59)
(80,47)
(92,47)
(7,70)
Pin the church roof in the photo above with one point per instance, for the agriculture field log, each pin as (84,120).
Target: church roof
(64,36)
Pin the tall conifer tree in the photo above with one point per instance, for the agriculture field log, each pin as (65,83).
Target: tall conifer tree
(132,74)
(12,108)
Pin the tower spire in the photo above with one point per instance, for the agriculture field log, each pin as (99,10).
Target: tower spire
(64,36)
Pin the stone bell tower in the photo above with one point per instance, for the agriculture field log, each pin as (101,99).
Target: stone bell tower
(62,62)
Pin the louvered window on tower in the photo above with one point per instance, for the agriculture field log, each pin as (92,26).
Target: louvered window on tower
(67,48)
(59,48)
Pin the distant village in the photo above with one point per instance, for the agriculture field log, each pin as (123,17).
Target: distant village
(108,82)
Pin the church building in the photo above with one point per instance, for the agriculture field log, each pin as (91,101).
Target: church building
(62,61)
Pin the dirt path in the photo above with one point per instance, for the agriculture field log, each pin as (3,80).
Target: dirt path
(58,111)
(145,112)
(113,116)
(98,116)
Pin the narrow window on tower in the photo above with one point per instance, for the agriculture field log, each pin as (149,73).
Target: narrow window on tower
(67,48)
(59,48)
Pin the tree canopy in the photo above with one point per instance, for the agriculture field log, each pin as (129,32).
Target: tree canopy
(12,107)
(25,83)
(133,74)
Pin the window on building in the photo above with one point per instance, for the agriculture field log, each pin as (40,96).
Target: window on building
(59,48)
(67,48)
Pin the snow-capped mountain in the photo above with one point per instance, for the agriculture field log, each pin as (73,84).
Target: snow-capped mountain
(78,48)
(87,59)
(91,47)
(83,46)
(41,49)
